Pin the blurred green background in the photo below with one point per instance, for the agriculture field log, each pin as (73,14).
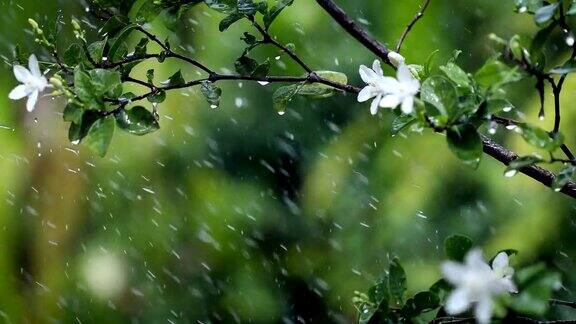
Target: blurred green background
(238,214)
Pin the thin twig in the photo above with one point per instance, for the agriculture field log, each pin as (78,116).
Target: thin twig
(170,53)
(558,302)
(409,27)
(269,39)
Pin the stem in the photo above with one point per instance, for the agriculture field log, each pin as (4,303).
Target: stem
(271,40)
(170,53)
(409,27)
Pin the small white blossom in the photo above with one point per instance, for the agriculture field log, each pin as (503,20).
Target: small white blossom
(33,83)
(396,59)
(476,283)
(376,87)
(389,92)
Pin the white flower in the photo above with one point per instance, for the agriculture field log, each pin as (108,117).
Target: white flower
(387,91)
(377,85)
(396,59)
(476,283)
(33,83)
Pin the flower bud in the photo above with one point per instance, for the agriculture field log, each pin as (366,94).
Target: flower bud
(396,59)
(57,83)
(76,24)
(33,23)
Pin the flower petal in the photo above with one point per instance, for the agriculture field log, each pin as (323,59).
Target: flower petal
(404,75)
(508,285)
(32,99)
(458,302)
(483,310)
(365,94)
(500,261)
(453,272)
(19,92)
(377,68)
(33,66)
(374,105)
(21,73)
(390,101)
(388,84)
(408,105)
(367,74)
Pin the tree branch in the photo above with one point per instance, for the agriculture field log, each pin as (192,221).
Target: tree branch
(409,27)
(537,173)
(490,147)
(355,30)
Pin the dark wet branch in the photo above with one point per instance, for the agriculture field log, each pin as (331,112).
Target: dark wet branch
(355,30)
(537,173)
(410,25)
(215,77)
(490,147)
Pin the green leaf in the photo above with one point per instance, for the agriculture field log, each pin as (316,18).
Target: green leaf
(458,76)
(529,6)
(536,285)
(564,176)
(100,135)
(141,47)
(572,10)
(282,96)
(457,246)
(79,130)
(96,50)
(271,15)
(73,55)
(464,141)
(498,105)
(224,6)
(212,93)
(249,38)
(397,282)
(157,96)
(540,138)
(379,292)
(566,68)
(521,162)
(119,41)
(320,90)
(73,113)
(245,65)
(247,7)
(137,121)
(402,122)
(422,302)
(495,74)
(106,83)
(440,93)
(229,20)
(94,86)
(546,13)
(176,80)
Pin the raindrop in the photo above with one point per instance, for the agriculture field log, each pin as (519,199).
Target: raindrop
(213,106)
(570,40)
(510,173)
(263,83)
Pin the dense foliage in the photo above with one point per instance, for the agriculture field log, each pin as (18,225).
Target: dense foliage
(93,75)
